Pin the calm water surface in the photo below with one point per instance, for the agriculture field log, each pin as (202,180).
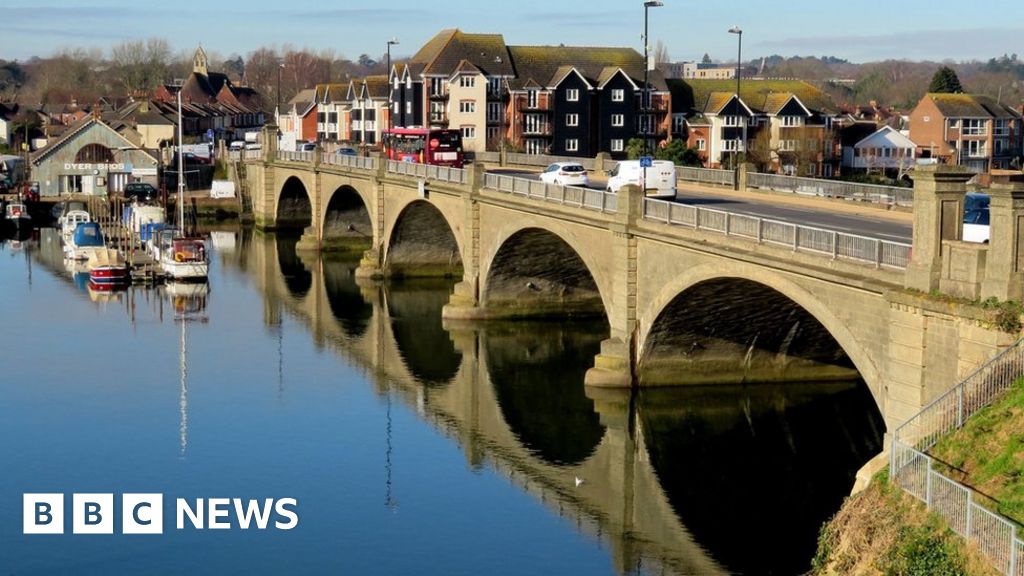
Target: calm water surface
(412,447)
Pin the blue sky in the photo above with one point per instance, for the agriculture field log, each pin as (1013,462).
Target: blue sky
(910,29)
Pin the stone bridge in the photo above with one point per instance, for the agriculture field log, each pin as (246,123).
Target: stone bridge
(515,404)
(682,302)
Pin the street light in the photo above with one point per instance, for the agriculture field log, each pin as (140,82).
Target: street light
(739,59)
(647,66)
(391,106)
(280,66)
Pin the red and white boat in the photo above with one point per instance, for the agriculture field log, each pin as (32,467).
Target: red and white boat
(108,268)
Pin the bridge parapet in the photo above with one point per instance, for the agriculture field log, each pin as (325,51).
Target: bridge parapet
(799,238)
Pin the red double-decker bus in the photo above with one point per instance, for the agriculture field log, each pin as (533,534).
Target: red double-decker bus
(424,146)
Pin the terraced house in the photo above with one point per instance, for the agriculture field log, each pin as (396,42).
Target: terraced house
(781,126)
(565,100)
(333,108)
(368,109)
(967,130)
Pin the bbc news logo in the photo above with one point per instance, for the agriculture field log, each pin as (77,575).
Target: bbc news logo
(144,514)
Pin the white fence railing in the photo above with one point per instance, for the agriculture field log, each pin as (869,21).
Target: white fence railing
(915,471)
(350,161)
(830,243)
(586,198)
(706,176)
(429,171)
(890,195)
(291,156)
(252,154)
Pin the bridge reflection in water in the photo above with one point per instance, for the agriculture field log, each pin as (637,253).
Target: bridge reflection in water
(711,479)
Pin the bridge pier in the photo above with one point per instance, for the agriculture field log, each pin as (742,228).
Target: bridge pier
(616,365)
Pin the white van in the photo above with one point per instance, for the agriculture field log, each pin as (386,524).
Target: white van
(659,181)
(237,145)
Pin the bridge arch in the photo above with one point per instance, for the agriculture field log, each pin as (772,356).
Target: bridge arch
(537,271)
(423,243)
(347,223)
(653,317)
(294,206)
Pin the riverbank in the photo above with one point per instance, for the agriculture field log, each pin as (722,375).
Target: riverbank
(884,531)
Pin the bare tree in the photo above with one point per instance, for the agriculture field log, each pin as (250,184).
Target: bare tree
(660,56)
(140,65)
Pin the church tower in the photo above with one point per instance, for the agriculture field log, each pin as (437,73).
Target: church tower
(199,62)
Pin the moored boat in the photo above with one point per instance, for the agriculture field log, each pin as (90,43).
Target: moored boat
(16,216)
(108,268)
(87,239)
(70,221)
(181,258)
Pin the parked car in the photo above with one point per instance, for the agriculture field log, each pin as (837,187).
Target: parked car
(976,218)
(307,146)
(141,192)
(348,151)
(658,181)
(565,174)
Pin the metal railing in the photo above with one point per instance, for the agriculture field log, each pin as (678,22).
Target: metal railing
(429,171)
(586,198)
(891,195)
(914,471)
(544,160)
(350,161)
(836,245)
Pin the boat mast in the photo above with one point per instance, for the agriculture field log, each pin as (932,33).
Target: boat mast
(181,170)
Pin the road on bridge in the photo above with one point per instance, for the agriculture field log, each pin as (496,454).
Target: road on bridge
(796,210)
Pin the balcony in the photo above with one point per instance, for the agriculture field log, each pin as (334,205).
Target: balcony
(438,95)
(537,130)
(438,118)
(533,107)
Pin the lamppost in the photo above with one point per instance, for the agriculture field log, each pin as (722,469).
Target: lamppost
(391,106)
(647,67)
(739,59)
(280,66)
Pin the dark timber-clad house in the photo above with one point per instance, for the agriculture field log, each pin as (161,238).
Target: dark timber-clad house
(563,100)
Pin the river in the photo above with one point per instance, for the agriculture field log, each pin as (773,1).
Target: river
(409,446)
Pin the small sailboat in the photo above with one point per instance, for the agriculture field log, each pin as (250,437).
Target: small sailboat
(181,258)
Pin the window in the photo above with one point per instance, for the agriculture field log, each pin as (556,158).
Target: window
(408,83)
(467,106)
(812,170)
(732,145)
(572,119)
(492,133)
(94,154)
(572,95)
(572,145)
(395,84)
(1002,128)
(467,81)
(618,95)
(953,123)
(618,120)
(469,131)
(975,148)
(788,145)
(532,98)
(395,107)
(791,121)
(321,117)
(408,107)
(701,144)
(494,111)
(494,85)
(974,127)
(617,145)
(332,117)
(732,121)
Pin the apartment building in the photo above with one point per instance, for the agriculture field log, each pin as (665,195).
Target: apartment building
(566,100)
(332,117)
(368,110)
(967,130)
(781,126)
(297,120)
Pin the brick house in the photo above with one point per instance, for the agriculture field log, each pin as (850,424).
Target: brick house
(967,130)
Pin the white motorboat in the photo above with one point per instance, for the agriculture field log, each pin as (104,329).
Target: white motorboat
(69,222)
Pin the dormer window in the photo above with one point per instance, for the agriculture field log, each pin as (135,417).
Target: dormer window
(792,121)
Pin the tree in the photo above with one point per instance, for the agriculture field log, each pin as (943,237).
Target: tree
(660,56)
(634,148)
(366,62)
(679,154)
(945,81)
(140,65)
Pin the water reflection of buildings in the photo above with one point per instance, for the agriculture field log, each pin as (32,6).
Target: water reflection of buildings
(687,480)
